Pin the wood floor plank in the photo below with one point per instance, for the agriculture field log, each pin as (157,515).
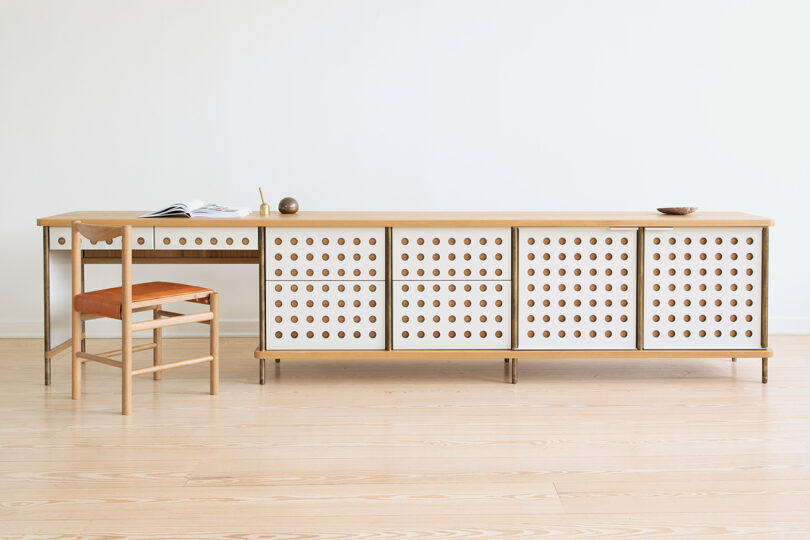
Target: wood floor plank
(408,449)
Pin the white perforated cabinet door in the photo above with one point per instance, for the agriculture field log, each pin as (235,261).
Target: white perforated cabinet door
(326,254)
(304,315)
(703,288)
(452,253)
(206,238)
(577,288)
(451,315)
(142,238)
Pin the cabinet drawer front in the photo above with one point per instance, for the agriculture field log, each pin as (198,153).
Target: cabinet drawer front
(307,315)
(462,254)
(577,288)
(451,315)
(703,288)
(208,238)
(326,254)
(142,238)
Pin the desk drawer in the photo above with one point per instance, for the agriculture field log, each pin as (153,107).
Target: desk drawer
(142,238)
(206,238)
(326,254)
(310,315)
(454,253)
(452,314)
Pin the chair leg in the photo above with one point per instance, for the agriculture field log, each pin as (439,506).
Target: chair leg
(126,365)
(76,363)
(157,352)
(213,300)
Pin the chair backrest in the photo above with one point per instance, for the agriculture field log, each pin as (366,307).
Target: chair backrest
(102,233)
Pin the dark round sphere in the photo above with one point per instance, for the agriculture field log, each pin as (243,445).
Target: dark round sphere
(288,205)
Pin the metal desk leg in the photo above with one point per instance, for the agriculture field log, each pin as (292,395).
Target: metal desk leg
(46,274)
(262,305)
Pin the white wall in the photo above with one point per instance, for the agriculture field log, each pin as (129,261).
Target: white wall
(401,105)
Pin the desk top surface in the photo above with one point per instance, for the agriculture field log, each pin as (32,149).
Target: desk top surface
(421,219)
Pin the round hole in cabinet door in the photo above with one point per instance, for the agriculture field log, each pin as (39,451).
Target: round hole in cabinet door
(61,241)
(198,241)
(141,240)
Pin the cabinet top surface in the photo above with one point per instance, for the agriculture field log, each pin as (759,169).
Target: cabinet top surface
(421,219)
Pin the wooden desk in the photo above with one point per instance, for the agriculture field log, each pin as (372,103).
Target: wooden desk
(409,274)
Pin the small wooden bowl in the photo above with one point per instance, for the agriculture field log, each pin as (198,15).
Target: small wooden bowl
(678,210)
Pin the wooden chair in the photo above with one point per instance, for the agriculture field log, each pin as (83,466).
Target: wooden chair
(121,302)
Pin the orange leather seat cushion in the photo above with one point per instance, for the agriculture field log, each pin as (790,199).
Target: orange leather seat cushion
(107,302)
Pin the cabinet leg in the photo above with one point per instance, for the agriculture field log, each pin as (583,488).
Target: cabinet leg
(261,371)
(764,371)
(514,370)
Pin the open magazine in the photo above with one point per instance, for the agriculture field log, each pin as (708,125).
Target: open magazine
(197,209)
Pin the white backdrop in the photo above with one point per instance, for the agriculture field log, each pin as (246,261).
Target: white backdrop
(400,105)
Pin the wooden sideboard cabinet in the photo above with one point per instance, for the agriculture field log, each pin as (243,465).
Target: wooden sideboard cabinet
(564,286)
(512,285)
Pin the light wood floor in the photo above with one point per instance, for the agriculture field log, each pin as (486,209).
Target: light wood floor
(411,449)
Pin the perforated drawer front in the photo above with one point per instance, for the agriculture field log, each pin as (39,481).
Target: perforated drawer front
(703,288)
(577,288)
(437,253)
(212,238)
(142,238)
(326,254)
(451,315)
(325,315)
